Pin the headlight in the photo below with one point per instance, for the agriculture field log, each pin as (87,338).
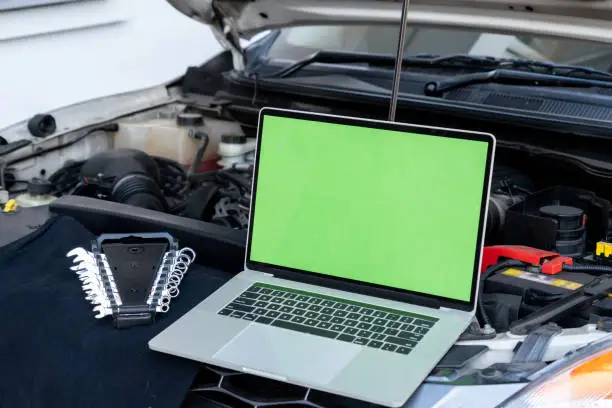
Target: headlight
(582,379)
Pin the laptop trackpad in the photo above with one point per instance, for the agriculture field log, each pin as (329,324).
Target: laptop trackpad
(288,355)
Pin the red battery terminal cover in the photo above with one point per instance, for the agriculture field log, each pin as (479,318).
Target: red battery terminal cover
(550,263)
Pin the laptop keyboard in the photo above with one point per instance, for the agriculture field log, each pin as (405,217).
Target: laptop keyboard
(334,318)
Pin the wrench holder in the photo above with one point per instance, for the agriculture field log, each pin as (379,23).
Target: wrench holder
(131,277)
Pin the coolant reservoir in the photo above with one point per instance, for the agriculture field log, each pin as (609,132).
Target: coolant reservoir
(39,194)
(176,138)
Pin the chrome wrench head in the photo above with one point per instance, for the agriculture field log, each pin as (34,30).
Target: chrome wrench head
(102,311)
(81,255)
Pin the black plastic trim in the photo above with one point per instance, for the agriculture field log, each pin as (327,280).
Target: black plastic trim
(216,246)
(458,108)
(6,148)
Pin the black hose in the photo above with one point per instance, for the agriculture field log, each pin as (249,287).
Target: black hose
(241,181)
(588,268)
(486,275)
(204,177)
(66,179)
(202,146)
(173,175)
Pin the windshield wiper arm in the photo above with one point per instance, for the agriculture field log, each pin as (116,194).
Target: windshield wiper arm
(512,77)
(334,57)
(437,61)
(541,67)
(388,61)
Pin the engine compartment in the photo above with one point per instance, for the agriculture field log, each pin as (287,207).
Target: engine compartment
(180,160)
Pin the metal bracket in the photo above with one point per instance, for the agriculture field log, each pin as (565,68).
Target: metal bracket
(535,344)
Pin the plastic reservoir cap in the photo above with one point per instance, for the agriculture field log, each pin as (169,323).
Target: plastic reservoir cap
(234,139)
(189,119)
(569,218)
(38,186)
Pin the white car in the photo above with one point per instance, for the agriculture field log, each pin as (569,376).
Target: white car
(538,75)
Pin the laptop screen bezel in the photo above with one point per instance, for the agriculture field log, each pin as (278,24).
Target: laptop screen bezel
(367,288)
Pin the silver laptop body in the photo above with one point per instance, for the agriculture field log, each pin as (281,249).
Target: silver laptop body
(265,321)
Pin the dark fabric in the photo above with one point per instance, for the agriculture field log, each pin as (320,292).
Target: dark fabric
(53,353)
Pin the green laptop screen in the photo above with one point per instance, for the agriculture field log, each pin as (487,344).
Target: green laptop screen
(385,207)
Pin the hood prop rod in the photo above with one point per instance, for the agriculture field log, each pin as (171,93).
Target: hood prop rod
(399,57)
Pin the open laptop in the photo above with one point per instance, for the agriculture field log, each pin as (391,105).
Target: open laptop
(362,258)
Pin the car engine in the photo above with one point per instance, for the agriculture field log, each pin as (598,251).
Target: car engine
(131,176)
(553,230)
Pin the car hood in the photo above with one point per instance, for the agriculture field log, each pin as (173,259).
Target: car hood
(234,20)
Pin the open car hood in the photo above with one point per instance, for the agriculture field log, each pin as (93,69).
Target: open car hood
(233,20)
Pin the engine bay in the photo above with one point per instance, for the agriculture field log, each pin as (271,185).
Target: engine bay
(546,236)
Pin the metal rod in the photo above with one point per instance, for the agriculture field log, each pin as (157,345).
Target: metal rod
(399,58)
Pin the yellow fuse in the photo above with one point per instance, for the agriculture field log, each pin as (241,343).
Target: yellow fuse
(10,206)
(608,249)
(600,248)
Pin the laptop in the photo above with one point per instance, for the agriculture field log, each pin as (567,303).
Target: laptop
(362,259)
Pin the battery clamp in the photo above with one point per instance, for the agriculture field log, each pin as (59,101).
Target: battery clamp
(131,277)
(550,263)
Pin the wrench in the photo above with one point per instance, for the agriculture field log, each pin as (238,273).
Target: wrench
(102,311)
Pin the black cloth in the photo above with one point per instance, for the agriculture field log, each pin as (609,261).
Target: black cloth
(54,353)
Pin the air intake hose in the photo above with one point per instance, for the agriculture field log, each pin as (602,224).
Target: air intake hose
(126,176)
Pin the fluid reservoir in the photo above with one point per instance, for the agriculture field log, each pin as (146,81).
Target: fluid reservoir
(176,138)
(39,194)
(236,149)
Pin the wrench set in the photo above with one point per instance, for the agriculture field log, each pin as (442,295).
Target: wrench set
(131,276)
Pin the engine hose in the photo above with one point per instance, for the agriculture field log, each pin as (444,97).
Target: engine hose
(241,181)
(486,275)
(588,268)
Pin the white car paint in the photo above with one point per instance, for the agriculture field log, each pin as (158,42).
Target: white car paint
(66,53)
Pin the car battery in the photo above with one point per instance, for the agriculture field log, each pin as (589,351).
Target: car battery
(536,289)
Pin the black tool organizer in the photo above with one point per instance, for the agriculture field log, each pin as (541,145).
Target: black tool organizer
(134,260)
